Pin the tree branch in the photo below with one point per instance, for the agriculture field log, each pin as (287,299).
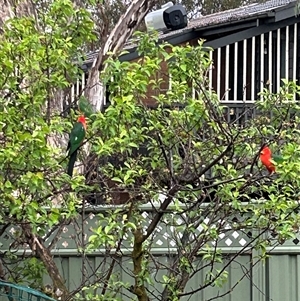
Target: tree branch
(37,246)
(160,213)
(127,23)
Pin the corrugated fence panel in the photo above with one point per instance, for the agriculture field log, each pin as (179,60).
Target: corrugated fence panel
(72,267)
(283,273)
(241,285)
(275,280)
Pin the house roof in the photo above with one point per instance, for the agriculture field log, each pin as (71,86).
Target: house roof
(245,13)
(237,14)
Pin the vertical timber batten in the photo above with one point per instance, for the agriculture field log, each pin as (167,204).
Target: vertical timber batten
(270,63)
(72,93)
(262,62)
(83,81)
(295,51)
(227,74)
(235,70)
(210,72)
(244,70)
(295,47)
(219,72)
(278,60)
(253,69)
(287,49)
(77,87)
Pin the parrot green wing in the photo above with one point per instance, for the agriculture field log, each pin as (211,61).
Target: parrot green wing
(76,137)
(277,159)
(85,107)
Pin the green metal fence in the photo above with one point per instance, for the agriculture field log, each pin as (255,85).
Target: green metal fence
(13,292)
(276,279)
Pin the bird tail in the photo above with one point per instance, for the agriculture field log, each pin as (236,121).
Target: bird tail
(71,164)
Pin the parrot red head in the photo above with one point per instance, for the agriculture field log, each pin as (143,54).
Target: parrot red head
(82,120)
(266,152)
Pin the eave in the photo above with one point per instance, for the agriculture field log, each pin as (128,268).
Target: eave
(219,35)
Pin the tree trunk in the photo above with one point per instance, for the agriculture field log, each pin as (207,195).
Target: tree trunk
(95,90)
(139,288)
(37,246)
(10,9)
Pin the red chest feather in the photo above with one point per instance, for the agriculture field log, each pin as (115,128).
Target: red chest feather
(265,158)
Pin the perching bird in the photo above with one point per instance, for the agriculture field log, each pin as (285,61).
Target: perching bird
(266,159)
(75,140)
(86,108)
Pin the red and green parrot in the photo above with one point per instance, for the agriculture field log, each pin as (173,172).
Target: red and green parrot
(267,159)
(76,138)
